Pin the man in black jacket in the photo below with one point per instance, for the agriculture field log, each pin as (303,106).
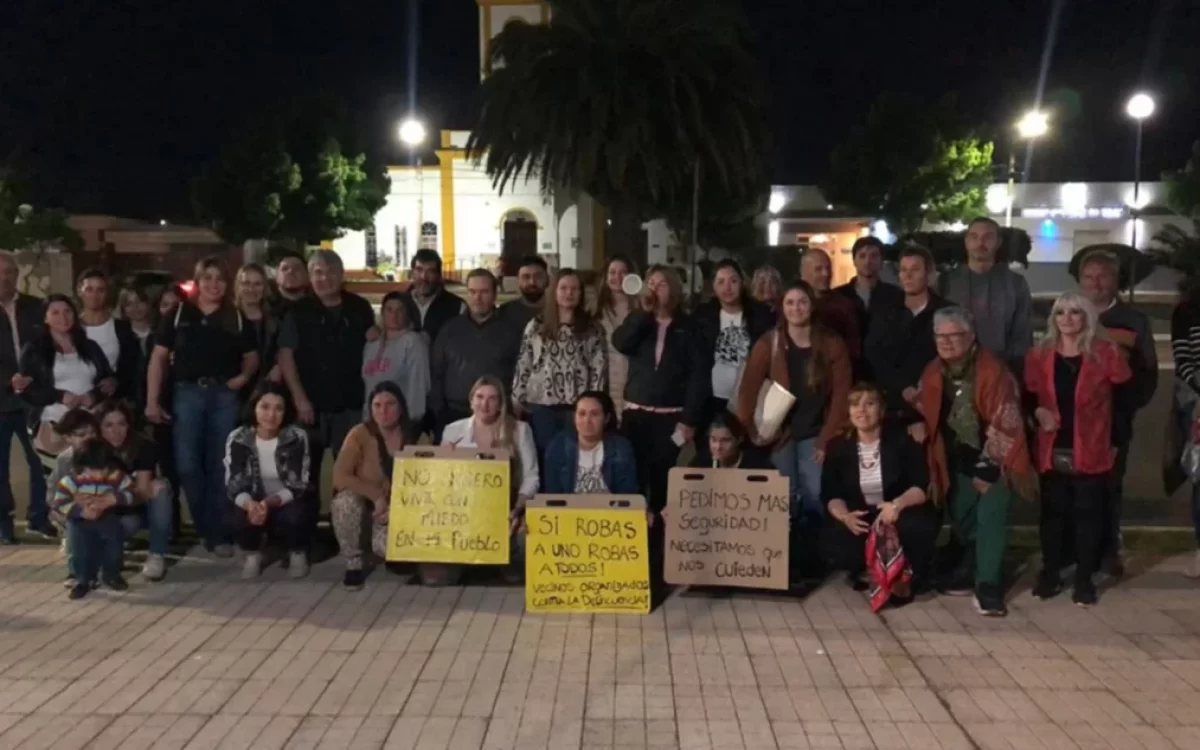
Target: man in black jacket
(430,306)
(469,347)
(20,322)
(321,355)
(900,341)
(869,294)
(532,279)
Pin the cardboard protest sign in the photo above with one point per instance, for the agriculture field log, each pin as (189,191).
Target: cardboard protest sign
(587,553)
(726,527)
(449,505)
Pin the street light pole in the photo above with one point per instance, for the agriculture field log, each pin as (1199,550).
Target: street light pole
(1012,180)
(1032,125)
(1140,106)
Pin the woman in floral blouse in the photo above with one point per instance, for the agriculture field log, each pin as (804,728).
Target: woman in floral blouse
(563,354)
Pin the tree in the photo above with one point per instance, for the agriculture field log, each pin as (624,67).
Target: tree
(1178,248)
(1183,187)
(624,100)
(36,231)
(285,177)
(911,162)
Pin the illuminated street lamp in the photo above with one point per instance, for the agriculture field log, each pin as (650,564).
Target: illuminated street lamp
(412,134)
(1140,107)
(1033,125)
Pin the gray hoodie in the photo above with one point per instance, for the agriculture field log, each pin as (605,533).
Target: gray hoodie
(404,360)
(1001,305)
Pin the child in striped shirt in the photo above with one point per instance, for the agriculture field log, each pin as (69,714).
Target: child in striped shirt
(96,483)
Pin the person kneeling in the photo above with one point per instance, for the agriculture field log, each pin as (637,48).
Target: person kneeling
(96,484)
(362,479)
(873,484)
(592,459)
(267,474)
(727,447)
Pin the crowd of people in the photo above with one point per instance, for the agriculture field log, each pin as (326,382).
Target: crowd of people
(911,406)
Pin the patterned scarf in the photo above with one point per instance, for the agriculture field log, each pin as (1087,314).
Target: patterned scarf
(963,419)
(886,564)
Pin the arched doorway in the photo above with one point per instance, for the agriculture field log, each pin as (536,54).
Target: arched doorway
(518,237)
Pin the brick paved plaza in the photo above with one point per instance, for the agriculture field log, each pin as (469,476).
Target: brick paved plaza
(205,660)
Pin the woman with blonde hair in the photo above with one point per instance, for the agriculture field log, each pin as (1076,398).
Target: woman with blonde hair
(766,286)
(562,355)
(249,296)
(613,305)
(492,426)
(1072,373)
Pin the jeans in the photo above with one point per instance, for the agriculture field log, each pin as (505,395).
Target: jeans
(96,547)
(204,417)
(797,461)
(156,514)
(14,423)
(546,422)
(1080,502)
(1185,413)
(290,522)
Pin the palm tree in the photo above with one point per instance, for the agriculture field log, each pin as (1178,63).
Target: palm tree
(1179,249)
(625,100)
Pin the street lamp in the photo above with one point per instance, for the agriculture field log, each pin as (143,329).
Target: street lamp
(1033,125)
(1140,107)
(412,134)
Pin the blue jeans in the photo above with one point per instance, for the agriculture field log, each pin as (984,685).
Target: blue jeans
(15,423)
(157,515)
(96,547)
(1185,414)
(547,421)
(204,417)
(796,460)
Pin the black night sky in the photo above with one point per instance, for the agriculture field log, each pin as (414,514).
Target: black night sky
(112,105)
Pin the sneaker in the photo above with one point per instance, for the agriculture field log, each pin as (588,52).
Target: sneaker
(69,582)
(45,530)
(297,565)
(989,600)
(1085,594)
(223,550)
(1048,586)
(1193,570)
(353,580)
(78,591)
(155,568)
(959,583)
(252,568)
(116,583)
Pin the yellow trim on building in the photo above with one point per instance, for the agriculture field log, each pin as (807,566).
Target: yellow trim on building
(447,228)
(451,154)
(412,168)
(446,136)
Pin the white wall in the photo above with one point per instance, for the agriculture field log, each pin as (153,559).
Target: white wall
(410,199)
(479,213)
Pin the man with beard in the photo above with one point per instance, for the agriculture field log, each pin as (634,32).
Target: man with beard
(532,279)
(430,305)
(1099,275)
(291,281)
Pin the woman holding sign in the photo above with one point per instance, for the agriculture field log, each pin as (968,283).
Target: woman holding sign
(267,477)
(874,484)
(492,426)
(362,479)
(593,459)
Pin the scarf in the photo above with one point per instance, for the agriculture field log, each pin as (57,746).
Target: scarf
(886,564)
(996,404)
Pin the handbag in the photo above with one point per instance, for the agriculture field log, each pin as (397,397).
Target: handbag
(774,401)
(1062,460)
(47,440)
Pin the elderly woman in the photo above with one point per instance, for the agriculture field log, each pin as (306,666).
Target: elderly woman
(362,479)
(1072,374)
(978,458)
(874,482)
(266,478)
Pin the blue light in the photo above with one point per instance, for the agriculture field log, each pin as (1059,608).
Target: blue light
(1048,229)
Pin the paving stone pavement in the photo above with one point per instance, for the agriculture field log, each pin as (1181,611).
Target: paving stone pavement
(206,660)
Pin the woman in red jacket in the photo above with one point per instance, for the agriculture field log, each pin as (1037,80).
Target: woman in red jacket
(1072,374)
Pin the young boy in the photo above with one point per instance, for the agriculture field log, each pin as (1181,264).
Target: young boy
(77,427)
(95,485)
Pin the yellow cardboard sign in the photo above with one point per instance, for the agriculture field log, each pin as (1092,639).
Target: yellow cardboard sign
(587,553)
(449,505)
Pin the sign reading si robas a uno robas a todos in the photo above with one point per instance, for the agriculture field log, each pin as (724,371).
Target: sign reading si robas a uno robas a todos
(450,505)
(587,553)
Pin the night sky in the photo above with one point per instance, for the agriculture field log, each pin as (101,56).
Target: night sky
(113,105)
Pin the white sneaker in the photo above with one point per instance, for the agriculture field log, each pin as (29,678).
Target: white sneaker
(1193,570)
(252,568)
(297,565)
(155,568)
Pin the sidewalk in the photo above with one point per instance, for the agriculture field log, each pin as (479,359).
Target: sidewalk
(205,660)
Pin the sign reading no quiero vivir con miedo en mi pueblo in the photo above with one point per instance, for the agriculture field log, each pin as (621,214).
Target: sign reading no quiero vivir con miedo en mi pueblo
(587,553)
(450,505)
(726,527)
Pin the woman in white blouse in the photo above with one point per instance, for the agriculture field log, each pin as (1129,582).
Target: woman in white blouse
(877,477)
(491,426)
(563,355)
